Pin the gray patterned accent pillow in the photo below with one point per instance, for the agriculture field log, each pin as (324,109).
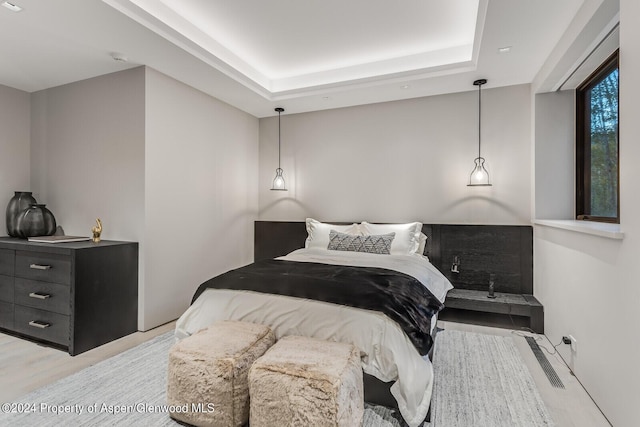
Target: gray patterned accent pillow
(373,244)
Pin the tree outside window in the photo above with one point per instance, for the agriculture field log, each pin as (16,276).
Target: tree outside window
(597,165)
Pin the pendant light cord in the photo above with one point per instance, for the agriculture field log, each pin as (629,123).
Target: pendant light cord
(479,117)
(279,112)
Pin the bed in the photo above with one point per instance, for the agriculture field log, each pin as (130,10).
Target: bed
(367,284)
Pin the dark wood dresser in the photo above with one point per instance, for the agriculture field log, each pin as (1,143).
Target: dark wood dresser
(75,295)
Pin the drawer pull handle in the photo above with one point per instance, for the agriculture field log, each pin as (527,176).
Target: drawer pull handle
(40,267)
(39,324)
(38,295)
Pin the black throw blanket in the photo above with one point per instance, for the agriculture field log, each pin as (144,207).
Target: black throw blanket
(400,296)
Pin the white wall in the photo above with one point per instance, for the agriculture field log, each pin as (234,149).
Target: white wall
(87,156)
(161,164)
(14,145)
(87,152)
(201,178)
(589,285)
(554,155)
(403,160)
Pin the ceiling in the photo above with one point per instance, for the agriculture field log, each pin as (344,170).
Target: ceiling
(301,55)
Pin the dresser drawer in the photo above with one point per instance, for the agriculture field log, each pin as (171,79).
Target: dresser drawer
(6,288)
(41,324)
(7,257)
(6,315)
(45,267)
(47,296)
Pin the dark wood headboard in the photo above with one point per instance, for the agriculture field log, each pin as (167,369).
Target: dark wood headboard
(504,250)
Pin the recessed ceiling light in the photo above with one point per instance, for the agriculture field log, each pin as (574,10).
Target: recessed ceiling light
(505,49)
(12,7)
(405,87)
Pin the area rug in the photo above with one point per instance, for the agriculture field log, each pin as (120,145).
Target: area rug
(480,380)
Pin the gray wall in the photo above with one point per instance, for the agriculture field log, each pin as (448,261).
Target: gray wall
(160,163)
(555,155)
(201,177)
(87,153)
(14,144)
(589,284)
(403,160)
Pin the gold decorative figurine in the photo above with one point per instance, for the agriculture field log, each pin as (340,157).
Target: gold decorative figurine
(97,230)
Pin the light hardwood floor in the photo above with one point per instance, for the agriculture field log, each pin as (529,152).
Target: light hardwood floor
(26,366)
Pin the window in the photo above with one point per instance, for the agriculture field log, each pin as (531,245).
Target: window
(597,165)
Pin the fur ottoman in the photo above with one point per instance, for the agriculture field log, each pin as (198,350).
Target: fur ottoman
(207,377)
(307,382)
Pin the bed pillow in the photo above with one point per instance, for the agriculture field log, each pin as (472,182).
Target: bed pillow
(407,238)
(422,242)
(373,244)
(318,232)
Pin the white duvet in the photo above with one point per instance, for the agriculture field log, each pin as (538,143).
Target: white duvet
(387,353)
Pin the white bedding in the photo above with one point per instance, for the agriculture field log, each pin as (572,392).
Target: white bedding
(414,265)
(387,353)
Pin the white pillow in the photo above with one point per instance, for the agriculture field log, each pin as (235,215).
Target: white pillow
(422,242)
(407,240)
(318,233)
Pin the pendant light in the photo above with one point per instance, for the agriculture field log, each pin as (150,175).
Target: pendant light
(479,175)
(278,181)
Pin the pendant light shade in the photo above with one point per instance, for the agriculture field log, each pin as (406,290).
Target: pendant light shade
(479,175)
(278,181)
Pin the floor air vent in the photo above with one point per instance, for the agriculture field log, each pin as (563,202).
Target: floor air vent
(551,373)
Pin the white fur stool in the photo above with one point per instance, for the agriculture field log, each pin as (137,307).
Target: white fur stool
(307,382)
(207,379)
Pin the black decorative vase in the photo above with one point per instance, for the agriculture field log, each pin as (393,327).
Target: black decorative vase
(37,220)
(18,204)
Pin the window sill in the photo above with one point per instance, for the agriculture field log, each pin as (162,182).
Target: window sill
(602,229)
